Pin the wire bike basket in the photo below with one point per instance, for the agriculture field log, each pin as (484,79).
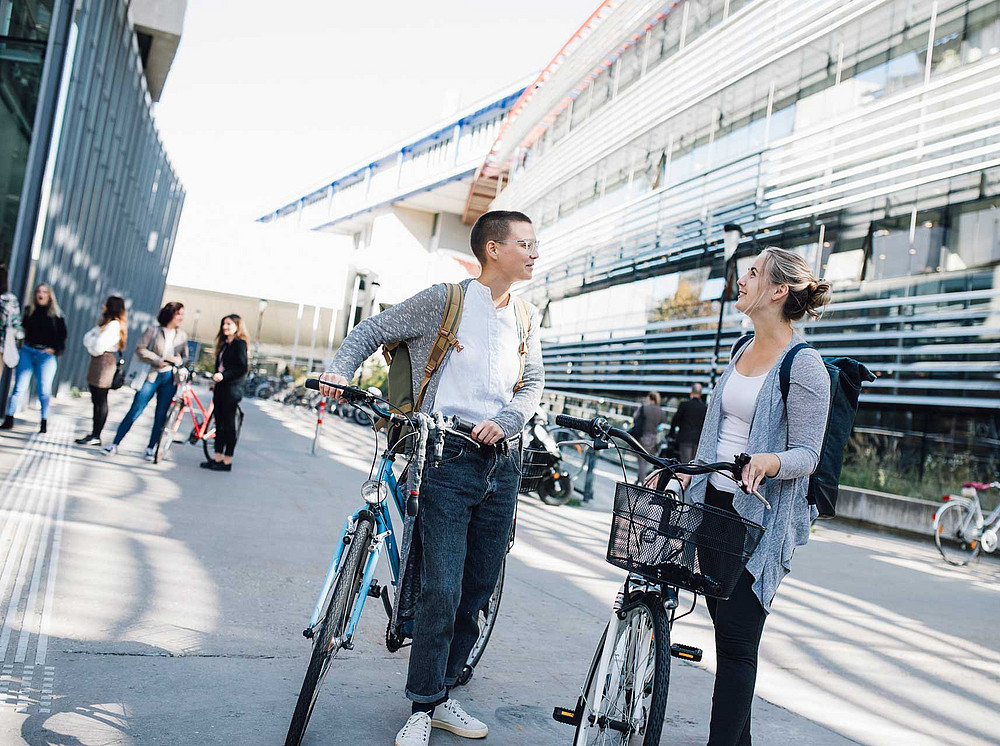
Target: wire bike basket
(692,546)
(536,465)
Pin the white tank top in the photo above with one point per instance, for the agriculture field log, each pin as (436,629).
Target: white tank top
(739,398)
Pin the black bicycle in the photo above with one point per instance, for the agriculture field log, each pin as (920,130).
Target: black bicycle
(666,545)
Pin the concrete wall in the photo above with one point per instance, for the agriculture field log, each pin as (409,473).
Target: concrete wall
(162,22)
(883,510)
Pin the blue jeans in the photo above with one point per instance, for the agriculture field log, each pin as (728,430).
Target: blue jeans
(164,389)
(43,365)
(466,510)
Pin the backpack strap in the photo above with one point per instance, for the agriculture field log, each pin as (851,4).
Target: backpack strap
(740,344)
(445,339)
(523,312)
(785,374)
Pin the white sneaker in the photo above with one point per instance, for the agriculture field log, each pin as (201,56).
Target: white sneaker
(150,454)
(416,732)
(110,449)
(451,717)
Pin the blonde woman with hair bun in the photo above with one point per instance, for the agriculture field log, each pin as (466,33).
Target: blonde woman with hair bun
(747,414)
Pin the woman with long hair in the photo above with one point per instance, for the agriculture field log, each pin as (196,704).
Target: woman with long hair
(747,414)
(230,373)
(44,339)
(10,316)
(161,348)
(105,343)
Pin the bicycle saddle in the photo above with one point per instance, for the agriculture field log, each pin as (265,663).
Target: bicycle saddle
(978,486)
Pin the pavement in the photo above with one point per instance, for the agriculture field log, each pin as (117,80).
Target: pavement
(162,604)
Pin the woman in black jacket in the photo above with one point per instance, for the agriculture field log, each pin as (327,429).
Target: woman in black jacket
(230,373)
(44,339)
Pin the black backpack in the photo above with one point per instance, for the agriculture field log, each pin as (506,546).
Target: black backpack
(846,378)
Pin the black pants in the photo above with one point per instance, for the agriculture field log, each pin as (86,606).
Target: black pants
(226,412)
(739,622)
(99,397)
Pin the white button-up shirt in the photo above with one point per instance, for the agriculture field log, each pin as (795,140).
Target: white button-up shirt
(478,380)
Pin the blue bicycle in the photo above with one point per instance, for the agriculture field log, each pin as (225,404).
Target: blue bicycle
(368,531)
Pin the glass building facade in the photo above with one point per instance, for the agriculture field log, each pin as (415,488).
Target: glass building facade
(90,200)
(865,136)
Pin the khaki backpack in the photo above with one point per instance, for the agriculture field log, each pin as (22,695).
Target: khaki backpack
(397,355)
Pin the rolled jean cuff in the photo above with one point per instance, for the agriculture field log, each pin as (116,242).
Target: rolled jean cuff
(435,699)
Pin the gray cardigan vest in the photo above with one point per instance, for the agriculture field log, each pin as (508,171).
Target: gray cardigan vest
(796,439)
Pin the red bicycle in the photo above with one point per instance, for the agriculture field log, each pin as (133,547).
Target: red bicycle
(186,400)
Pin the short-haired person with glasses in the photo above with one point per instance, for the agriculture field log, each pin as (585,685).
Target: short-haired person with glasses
(467,500)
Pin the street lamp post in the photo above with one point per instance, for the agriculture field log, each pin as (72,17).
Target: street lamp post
(731,235)
(261,307)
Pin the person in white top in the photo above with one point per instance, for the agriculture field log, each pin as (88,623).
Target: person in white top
(105,343)
(468,499)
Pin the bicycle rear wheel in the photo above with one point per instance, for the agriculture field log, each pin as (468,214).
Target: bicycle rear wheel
(169,432)
(956,533)
(327,640)
(627,707)
(487,621)
(208,435)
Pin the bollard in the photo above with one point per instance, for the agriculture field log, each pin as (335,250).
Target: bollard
(319,425)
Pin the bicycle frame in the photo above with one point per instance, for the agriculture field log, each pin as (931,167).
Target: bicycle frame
(976,519)
(187,395)
(385,536)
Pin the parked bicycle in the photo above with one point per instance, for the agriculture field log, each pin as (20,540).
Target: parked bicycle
(203,418)
(961,531)
(368,531)
(666,545)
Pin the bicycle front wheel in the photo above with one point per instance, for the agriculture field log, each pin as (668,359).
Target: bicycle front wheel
(328,637)
(487,621)
(169,432)
(626,706)
(956,533)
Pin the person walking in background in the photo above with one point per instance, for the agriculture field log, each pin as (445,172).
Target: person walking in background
(230,374)
(686,425)
(44,339)
(646,420)
(10,323)
(161,347)
(105,343)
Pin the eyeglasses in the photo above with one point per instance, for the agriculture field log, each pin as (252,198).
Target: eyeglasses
(526,245)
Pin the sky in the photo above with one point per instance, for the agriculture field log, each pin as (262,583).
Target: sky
(266,103)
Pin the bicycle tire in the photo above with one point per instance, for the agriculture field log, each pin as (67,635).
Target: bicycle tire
(208,434)
(629,637)
(954,548)
(341,601)
(558,491)
(487,621)
(169,432)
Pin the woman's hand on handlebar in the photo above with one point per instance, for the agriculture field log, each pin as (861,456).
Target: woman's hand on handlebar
(330,384)
(488,432)
(761,465)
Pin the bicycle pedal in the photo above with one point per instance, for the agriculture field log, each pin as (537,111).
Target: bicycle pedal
(565,716)
(374,590)
(686,652)
(308,633)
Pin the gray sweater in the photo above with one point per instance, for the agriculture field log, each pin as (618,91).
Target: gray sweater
(415,321)
(787,523)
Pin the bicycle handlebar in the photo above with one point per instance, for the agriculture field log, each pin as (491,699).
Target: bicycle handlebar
(354,394)
(600,429)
